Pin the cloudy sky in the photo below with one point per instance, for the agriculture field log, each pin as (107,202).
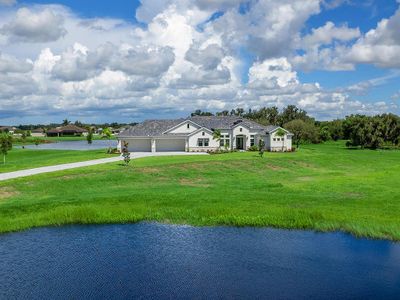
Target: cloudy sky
(129,60)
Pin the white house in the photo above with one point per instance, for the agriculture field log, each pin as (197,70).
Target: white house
(196,134)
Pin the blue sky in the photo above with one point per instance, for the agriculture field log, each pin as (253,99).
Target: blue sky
(126,61)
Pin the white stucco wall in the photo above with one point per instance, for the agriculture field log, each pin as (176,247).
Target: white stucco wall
(246,134)
(213,144)
(277,145)
(184,128)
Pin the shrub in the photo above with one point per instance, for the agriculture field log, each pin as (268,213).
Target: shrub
(253,148)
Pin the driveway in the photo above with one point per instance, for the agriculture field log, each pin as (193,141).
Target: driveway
(55,168)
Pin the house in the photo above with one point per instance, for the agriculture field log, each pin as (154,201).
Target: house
(196,134)
(68,130)
(8,129)
(38,132)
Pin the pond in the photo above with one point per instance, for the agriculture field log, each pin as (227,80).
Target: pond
(75,145)
(151,261)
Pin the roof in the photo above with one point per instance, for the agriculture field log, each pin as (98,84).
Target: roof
(159,127)
(7,128)
(151,127)
(225,122)
(67,128)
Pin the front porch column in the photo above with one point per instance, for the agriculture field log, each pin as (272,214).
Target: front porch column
(187,145)
(153,145)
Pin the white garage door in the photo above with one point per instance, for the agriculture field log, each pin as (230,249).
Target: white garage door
(170,145)
(139,145)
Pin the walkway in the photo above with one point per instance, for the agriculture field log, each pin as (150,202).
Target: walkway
(49,169)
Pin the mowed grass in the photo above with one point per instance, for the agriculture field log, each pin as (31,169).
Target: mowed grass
(322,187)
(20,159)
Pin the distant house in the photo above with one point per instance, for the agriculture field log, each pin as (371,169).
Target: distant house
(38,132)
(196,134)
(8,129)
(68,130)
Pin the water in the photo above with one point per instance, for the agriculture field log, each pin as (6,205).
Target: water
(75,145)
(163,261)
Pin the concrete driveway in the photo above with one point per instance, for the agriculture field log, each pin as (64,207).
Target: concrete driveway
(55,168)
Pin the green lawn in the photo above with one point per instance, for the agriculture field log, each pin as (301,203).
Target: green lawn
(19,159)
(323,187)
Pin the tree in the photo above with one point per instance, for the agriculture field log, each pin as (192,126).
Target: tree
(198,112)
(299,129)
(290,113)
(261,145)
(265,115)
(324,133)
(125,153)
(23,139)
(281,133)
(66,122)
(6,142)
(89,137)
(107,135)
(217,135)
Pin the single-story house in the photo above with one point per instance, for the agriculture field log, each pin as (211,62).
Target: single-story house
(196,134)
(8,129)
(38,132)
(68,130)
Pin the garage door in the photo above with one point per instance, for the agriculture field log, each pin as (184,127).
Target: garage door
(170,145)
(139,145)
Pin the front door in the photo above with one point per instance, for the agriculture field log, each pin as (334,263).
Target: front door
(239,143)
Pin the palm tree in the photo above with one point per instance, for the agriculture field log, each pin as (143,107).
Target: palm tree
(107,134)
(217,135)
(281,133)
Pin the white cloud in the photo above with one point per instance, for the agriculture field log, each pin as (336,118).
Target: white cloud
(178,61)
(9,64)
(35,26)
(379,46)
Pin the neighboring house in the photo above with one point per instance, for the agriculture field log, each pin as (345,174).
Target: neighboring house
(8,129)
(196,134)
(38,132)
(68,130)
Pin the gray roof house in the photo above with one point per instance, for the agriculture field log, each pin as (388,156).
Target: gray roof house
(196,134)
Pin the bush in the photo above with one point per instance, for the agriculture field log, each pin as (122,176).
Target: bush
(112,150)
(253,148)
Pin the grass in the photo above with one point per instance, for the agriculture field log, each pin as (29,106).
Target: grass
(322,187)
(19,159)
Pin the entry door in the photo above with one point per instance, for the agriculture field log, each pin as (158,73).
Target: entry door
(239,143)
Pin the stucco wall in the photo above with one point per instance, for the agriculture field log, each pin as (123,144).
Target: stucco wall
(193,146)
(184,128)
(277,145)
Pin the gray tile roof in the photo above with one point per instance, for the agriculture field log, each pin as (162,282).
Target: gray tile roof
(150,128)
(224,122)
(158,127)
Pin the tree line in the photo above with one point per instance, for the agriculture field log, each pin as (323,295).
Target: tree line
(362,131)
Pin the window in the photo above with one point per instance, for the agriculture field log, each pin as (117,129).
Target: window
(224,141)
(203,142)
(188,126)
(274,139)
(252,143)
(240,129)
(203,133)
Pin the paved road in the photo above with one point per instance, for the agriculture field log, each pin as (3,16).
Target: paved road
(55,168)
